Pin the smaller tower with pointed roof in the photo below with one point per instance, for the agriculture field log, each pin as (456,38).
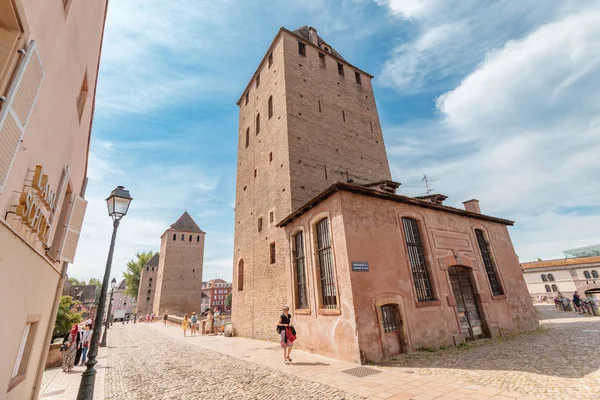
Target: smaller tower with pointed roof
(178,288)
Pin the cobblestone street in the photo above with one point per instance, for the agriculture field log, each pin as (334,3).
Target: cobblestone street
(561,361)
(145,364)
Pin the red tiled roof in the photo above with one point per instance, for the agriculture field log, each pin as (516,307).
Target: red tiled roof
(563,262)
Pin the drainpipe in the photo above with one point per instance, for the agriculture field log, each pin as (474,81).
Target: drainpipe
(48,337)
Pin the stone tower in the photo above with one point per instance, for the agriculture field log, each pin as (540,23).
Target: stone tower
(179,277)
(147,288)
(307,119)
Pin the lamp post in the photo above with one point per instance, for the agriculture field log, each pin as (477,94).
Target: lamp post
(113,283)
(118,205)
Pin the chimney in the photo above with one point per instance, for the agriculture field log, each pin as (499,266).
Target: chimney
(312,36)
(472,206)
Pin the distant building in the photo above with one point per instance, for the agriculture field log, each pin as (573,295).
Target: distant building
(122,301)
(178,288)
(217,291)
(86,294)
(147,289)
(565,275)
(205,302)
(587,251)
(367,273)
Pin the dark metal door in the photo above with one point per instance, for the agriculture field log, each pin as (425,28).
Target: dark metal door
(468,311)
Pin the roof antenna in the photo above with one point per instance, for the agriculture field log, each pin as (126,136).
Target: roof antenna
(428,188)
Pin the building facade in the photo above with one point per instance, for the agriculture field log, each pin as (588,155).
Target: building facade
(302,91)
(49,57)
(216,291)
(123,303)
(147,289)
(551,277)
(179,277)
(367,273)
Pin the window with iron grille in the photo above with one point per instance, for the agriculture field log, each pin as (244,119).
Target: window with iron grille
(544,278)
(586,274)
(488,263)
(594,274)
(389,313)
(554,288)
(326,268)
(548,288)
(551,277)
(300,265)
(416,259)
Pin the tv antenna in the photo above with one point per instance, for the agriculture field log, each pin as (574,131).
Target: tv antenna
(427,181)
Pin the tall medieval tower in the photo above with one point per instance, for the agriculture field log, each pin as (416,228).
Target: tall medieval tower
(307,119)
(179,276)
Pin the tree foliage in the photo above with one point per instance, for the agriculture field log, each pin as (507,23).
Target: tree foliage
(76,282)
(65,318)
(228,300)
(134,268)
(96,282)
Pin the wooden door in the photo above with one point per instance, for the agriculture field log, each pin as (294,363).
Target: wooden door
(466,305)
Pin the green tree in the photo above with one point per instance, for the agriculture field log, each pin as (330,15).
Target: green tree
(76,282)
(65,318)
(96,282)
(134,268)
(228,300)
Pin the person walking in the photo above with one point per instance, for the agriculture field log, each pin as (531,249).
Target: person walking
(85,342)
(79,346)
(184,325)
(208,328)
(284,324)
(577,302)
(71,342)
(194,322)
(165,318)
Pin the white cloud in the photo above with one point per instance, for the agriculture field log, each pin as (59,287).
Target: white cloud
(521,133)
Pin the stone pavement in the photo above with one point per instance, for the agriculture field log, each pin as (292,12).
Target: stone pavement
(561,361)
(59,385)
(251,369)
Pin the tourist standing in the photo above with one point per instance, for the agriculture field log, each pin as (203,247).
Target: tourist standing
(194,321)
(184,325)
(85,342)
(216,321)
(79,346)
(209,322)
(165,318)
(285,322)
(71,342)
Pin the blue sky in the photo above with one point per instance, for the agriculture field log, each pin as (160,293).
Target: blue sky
(497,100)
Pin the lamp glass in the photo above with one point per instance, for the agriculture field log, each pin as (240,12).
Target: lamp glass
(118,202)
(113,283)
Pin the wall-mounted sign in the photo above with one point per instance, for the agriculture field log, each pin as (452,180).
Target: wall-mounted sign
(360,266)
(36,205)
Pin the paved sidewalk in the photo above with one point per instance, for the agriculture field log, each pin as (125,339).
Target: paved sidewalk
(389,383)
(59,385)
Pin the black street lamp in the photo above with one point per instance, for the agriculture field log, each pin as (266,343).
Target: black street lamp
(113,283)
(118,204)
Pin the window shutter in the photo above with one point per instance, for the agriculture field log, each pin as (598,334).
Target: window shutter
(71,238)
(17,108)
(60,199)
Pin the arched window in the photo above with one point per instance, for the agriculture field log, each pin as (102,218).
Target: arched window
(551,277)
(182,237)
(241,275)
(594,274)
(544,278)
(587,274)
(257,123)
(548,288)
(554,288)
(190,238)
(174,236)
(270,107)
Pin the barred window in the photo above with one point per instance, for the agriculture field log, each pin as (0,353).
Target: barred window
(551,277)
(586,274)
(391,322)
(548,288)
(326,268)
(554,288)
(594,274)
(300,265)
(490,268)
(544,278)
(416,259)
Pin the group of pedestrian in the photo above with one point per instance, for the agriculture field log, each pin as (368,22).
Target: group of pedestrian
(212,325)
(149,318)
(75,345)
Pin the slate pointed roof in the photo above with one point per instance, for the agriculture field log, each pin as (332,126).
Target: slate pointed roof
(303,33)
(153,261)
(186,223)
